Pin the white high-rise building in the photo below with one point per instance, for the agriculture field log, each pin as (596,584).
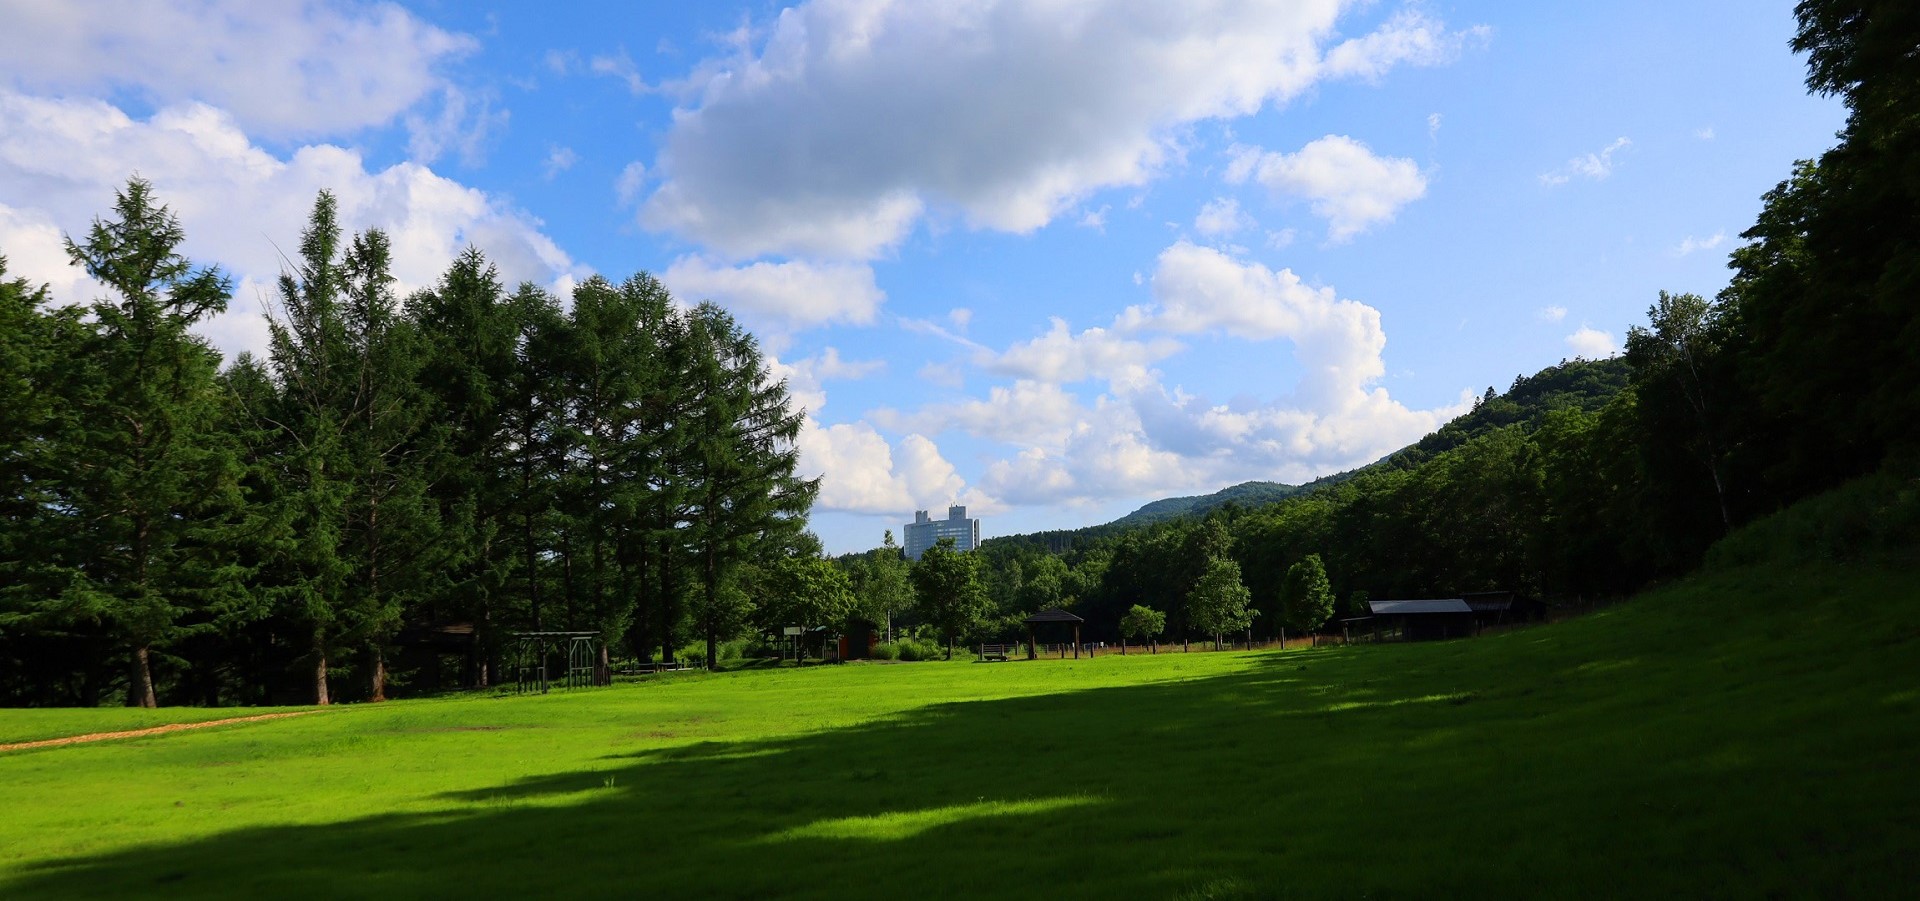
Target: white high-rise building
(925,531)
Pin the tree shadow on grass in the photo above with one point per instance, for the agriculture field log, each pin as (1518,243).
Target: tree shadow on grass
(1378,772)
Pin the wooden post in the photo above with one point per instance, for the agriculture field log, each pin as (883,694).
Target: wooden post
(1030,648)
(1076,641)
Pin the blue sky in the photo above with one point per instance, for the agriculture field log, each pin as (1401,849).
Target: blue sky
(1051,260)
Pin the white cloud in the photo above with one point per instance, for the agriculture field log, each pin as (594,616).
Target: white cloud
(1143,437)
(463,125)
(632,179)
(1595,166)
(855,118)
(795,294)
(1553,313)
(1222,216)
(61,161)
(1433,125)
(1704,134)
(282,69)
(1061,357)
(1410,37)
(961,317)
(806,378)
(1026,413)
(1590,343)
(862,473)
(1690,244)
(1344,181)
(946,375)
(1096,219)
(559,159)
(620,67)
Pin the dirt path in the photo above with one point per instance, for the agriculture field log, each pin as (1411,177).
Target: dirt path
(156,730)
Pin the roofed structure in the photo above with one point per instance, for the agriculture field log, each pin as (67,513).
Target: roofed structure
(1049,616)
(1434,605)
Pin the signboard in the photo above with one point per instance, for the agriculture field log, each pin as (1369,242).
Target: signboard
(792,630)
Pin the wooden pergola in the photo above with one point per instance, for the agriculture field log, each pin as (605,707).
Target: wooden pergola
(1054,615)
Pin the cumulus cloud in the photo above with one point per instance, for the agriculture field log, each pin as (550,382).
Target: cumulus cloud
(852,120)
(61,161)
(281,69)
(794,294)
(1594,166)
(1553,313)
(1345,183)
(1590,343)
(1222,216)
(1060,356)
(1142,436)
(1027,413)
(861,472)
(806,378)
(1690,244)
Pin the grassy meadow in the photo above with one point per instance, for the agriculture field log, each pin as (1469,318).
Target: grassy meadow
(1745,733)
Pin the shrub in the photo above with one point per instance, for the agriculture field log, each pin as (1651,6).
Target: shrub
(886,650)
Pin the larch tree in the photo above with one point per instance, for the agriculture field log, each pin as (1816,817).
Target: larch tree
(152,478)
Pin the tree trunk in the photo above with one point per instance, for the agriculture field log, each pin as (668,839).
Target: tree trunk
(712,613)
(379,671)
(320,698)
(603,668)
(140,692)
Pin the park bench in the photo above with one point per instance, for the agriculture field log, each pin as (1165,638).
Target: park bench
(999,652)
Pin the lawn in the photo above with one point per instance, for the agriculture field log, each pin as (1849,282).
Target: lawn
(1741,734)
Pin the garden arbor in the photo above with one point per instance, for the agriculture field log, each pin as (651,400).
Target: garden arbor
(532,651)
(1049,616)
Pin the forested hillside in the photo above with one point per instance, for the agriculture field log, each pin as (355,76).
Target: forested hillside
(1583,384)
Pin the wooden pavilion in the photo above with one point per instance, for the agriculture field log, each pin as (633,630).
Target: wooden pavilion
(1049,616)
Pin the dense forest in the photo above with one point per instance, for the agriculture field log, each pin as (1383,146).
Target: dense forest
(175,528)
(1589,478)
(468,460)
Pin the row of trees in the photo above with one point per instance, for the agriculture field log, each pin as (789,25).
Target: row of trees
(183,531)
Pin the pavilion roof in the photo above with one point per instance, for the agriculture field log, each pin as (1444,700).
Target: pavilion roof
(1053,615)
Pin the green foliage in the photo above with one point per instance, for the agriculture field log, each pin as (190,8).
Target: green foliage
(1218,603)
(947,587)
(1865,518)
(909,649)
(1143,622)
(1306,598)
(390,475)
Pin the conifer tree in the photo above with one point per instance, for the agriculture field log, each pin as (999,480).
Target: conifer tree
(151,478)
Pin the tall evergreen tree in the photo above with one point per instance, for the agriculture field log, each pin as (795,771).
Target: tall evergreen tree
(742,477)
(151,477)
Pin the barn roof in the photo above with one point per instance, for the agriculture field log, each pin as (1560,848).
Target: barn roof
(1053,615)
(1436,605)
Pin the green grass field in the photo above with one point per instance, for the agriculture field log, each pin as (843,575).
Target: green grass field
(1743,734)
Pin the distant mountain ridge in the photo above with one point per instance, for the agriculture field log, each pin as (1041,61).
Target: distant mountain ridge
(1587,384)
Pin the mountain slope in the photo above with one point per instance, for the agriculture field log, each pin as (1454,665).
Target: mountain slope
(1587,384)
